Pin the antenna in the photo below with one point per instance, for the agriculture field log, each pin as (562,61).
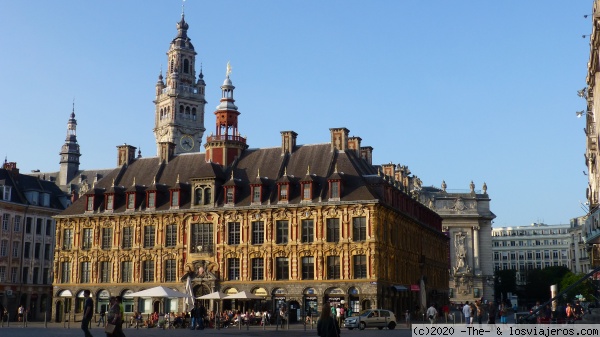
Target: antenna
(182,8)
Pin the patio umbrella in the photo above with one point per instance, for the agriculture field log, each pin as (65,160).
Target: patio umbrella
(217,295)
(159,291)
(243,296)
(189,299)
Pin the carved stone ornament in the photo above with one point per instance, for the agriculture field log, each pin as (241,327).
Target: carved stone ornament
(459,204)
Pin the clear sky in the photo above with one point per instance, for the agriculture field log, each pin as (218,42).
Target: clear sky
(456,90)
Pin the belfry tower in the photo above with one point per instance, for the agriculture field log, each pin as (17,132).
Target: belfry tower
(179,112)
(69,153)
(227,144)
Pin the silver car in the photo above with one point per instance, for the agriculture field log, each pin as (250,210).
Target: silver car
(371,318)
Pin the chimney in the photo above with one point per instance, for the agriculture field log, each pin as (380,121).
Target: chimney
(126,154)
(389,170)
(339,139)
(288,141)
(366,153)
(166,150)
(354,144)
(11,167)
(74,196)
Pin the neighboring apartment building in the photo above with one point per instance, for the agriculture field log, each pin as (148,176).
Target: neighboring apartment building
(539,246)
(27,205)
(298,225)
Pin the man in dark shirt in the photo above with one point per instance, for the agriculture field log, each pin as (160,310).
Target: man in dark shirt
(88,312)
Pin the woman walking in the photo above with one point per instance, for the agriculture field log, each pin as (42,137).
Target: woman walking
(327,325)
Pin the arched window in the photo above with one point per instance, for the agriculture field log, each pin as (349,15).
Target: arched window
(198,196)
(187,112)
(194,113)
(181,109)
(186,66)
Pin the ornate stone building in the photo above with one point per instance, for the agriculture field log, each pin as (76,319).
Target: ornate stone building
(467,221)
(295,224)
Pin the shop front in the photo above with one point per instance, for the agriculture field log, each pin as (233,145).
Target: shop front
(102,301)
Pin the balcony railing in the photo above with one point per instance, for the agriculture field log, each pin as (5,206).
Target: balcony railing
(226,137)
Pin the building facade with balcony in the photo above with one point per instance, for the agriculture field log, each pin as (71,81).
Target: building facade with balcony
(298,225)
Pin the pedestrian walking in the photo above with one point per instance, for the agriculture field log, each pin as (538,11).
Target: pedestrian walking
(88,312)
(467,312)
(327,325)
(101,320)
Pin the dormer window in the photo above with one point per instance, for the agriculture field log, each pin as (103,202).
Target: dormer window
(90,203)
(283,192)
(334,189)
(307,191)
(256,192)
(230,195)
(5,190)
(151,199)
(175,198)
(110,202)
(130,201)
(202,194)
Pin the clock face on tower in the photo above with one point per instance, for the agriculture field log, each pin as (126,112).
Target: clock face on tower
(186,143)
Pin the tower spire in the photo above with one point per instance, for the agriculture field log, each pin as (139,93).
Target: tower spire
(69,154)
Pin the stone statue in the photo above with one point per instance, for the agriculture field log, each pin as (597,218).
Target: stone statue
(472,187)
(444,186)
(460,250)
(484,188)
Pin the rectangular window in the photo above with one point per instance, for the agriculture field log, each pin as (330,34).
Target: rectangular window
(15,249)
(127,242)
(230,195)
(170,270)
(281,235)
(151,199)
(360,266)
(233,269)
(87,238)
(256,194)
(14,271)
(306,191)
(333,267)
(107,238)
(175,199)
(110,202)
(308,231)
(282,271)
(4,248)
(148,271)
(104,272)
(6,193)
(85,272)
(333,230)
(46,276)
(171,237)
(234,233)
(36,275)
(258,269)
(38,226)
(17,223)
(67,239)
(359,228)
(202,237)
(28,223)
(5,219)
(258,232)
(126,271)
(90,203)
(2,274)
(25,275)
(283,192)
(149,237)
(131,201)
(49,230)
(37,249)
(335,189)
(308,268)
(27,250)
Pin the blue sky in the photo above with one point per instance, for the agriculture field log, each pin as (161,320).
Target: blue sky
(456,90)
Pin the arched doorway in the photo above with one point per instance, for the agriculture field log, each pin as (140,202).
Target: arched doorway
(353,300)
(156,306)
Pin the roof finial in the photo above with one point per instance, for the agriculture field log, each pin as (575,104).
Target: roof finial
(231,174)
(183,8)
(258,174)
(154,180)
(308,170)
(285,171)
(335,168)
(133,181)
(177,178)
(113,182)
(228,69)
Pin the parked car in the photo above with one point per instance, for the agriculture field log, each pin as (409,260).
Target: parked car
(371,318)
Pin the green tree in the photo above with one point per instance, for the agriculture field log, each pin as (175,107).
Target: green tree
(505,282)
(586,288)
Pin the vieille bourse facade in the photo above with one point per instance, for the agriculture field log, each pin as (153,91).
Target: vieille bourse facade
(296,224)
